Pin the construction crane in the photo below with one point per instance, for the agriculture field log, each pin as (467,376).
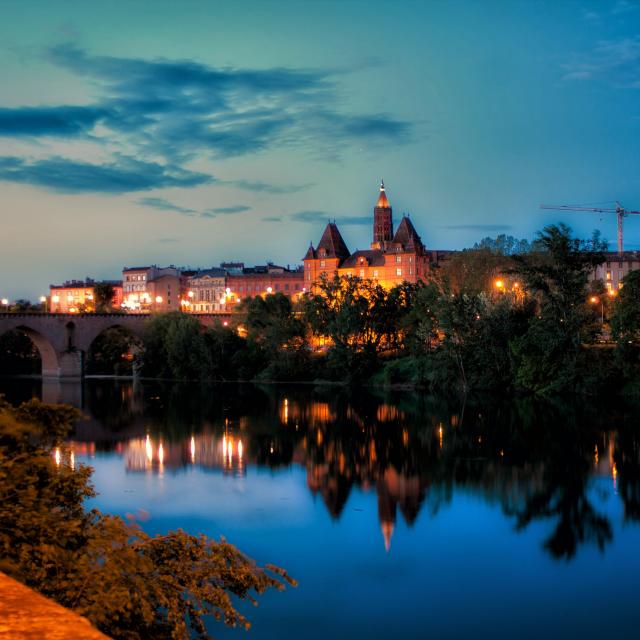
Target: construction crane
(620,212)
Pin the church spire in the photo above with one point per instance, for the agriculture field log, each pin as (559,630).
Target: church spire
(382,219)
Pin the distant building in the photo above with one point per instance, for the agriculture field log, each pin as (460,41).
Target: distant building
(615,268)
(205,291)
(151,288)
(77,296)
(392,259)
(248,282)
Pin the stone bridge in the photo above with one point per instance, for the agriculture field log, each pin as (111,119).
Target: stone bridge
(64,339)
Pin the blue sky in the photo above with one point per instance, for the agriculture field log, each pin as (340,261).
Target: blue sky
(195,132)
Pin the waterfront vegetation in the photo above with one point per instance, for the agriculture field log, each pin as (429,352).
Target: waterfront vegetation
(495,319)
(505,316)
(129,584)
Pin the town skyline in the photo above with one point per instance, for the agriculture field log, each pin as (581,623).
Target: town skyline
(203,134)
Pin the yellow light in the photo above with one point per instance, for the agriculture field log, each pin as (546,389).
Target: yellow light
(193,449)
(160,453)
(612,292)
(148,449)
(43,298)
(516,285)
(240,449)
(593,299)
(269,290)
(499,284)
(190,294)
(158,299)
(57,456)
(55,299)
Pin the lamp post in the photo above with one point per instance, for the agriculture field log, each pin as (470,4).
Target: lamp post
(43,302)
(5,303)
(55,299)
(595,300)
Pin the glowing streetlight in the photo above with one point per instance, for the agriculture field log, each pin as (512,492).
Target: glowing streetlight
(5,303)
(595,300)
(499,284)
(158,299)
(190,294)
(43,302)
(269,290)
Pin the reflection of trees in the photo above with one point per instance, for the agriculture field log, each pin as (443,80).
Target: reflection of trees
(413,450)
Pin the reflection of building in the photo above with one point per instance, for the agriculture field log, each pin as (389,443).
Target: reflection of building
(393,258)
(205,450)
(77,296)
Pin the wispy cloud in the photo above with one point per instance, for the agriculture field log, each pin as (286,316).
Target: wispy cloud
(167,113)
(168,240)
(123,175)
(616,62)
(238,208)
(317,217)
(165,205)
(264,187)
(477,227)
(272,219)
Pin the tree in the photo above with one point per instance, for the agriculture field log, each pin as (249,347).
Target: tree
(103,293)
(549,354)
(503,245)
(174,347)
(129,584)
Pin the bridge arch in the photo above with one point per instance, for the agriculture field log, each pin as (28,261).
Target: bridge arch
(48,353)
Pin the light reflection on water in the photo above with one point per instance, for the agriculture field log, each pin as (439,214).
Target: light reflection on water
(401,515)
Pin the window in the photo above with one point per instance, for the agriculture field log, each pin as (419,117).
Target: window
(362,273)
(398,258)
(620,275)
(410,258)
(608,275)
(398,271)
(286,286)
(375,273)
(321,263)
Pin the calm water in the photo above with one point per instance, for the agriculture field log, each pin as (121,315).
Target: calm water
(400,515)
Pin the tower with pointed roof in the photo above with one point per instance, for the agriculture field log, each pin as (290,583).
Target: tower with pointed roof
(382,220)
(393,258)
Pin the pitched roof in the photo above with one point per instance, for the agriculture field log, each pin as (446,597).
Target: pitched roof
(372,257)
(311,254)
(332,243)
(407,236)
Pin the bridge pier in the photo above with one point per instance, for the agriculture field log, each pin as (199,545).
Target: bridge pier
(71,364)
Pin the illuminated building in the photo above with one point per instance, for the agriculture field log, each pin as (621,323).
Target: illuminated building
(151,288)
(77,296)
(615,268)
(205,292)
(392,259)
(248,282)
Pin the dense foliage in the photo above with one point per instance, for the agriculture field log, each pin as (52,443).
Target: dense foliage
(129,584)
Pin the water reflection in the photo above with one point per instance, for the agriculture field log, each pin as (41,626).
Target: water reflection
(536,461)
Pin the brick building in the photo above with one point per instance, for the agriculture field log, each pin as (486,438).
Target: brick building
(248,282)
(77,296)
(151,288)
(392,259)
(615,267)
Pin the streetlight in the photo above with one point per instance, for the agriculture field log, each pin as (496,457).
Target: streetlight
(43,301)
(595,300)
(269,290)
(158,299)
(5,302)
(499,284)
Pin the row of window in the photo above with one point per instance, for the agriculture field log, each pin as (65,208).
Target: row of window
(135,278)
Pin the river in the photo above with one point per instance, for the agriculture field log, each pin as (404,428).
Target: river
(400,514)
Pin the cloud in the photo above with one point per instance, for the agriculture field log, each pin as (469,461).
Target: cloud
(63,121)
(165,205)
(272,219)
(264,187)
(317,217)
(477,227)
(168,240)
(616,62)
(71,176)
(238,208)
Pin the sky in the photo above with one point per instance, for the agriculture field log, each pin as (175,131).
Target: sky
(195,132)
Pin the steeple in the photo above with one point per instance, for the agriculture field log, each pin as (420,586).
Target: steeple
(382,220)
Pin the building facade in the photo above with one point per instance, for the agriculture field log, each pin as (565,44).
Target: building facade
(392,259)
(205,292)
(77,296)
(615,268)
(151,288)
(247,282)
